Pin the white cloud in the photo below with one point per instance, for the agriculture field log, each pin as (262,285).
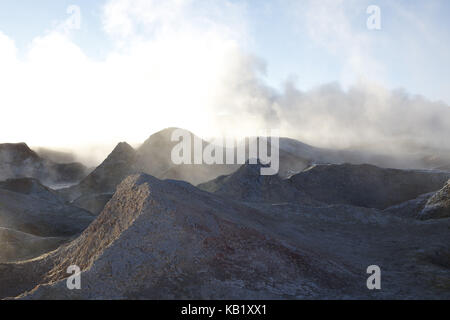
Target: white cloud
(161,75)
(329,26)
(183,63)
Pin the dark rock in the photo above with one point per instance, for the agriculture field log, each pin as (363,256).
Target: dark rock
(29,207)
(366,185)
(19,161)
(247,184)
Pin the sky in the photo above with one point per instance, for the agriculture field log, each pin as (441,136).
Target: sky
(79,72)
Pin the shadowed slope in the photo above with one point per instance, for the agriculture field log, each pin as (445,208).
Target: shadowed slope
(366,185)
(247,184)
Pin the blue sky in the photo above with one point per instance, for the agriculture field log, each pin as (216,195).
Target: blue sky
(278,36)
(218,56)
(23,20)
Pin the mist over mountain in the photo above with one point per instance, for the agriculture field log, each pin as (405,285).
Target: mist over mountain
(18,161)
(345,104)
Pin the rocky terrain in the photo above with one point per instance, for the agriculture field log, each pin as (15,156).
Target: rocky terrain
(308,233)
(152,157)
(35,219)
(357,185)
(247,184)
(367,185)
(19,161)
(438,206)
(17,246)
(28,206)
(167,239)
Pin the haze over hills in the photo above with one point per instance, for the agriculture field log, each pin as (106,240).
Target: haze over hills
(139,228)
(18,161)
(345,104)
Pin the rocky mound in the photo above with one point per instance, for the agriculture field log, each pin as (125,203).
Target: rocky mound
(438,206)
(119,164)
(154,158)
(366,185)
(165,239)
(16,245)
(32,219)
(31,187)
(29,207)
(19,161)
(247,184)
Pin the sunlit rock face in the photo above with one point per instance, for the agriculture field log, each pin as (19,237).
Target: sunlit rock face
(438,206)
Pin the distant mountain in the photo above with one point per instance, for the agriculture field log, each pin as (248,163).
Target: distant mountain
(357,185)
(19,161)
(247,184)
(119,164)
(381,155)
(152,157)
(366,185)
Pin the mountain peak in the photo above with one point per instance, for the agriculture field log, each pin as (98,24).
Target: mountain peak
(164,135)
(16,152)
(122,152)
